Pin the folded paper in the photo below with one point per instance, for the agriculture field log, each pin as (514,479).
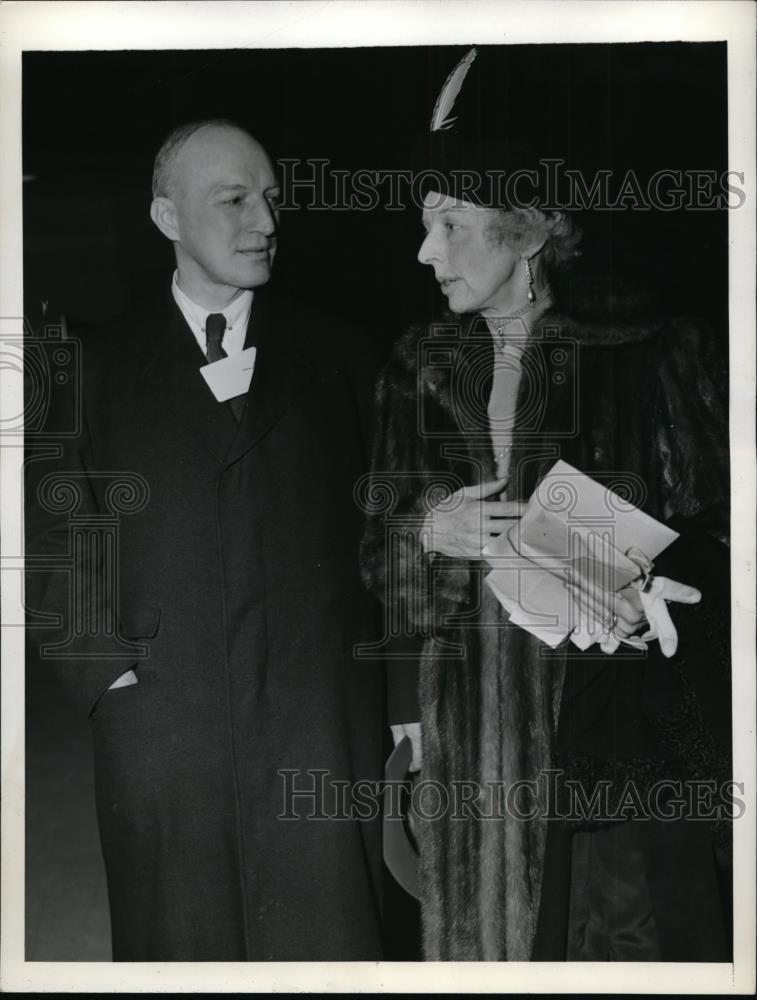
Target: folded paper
(230,376)
(573,530)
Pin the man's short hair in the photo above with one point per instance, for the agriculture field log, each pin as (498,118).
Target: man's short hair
(162,181)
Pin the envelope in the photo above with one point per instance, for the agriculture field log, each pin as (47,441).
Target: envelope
(573,528)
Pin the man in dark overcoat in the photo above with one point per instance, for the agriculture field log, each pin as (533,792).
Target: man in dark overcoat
(226,697)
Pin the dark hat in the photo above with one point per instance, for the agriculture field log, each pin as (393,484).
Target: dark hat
(488,170)
(480,146)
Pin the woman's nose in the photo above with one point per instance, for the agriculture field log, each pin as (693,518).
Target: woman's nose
(428,250)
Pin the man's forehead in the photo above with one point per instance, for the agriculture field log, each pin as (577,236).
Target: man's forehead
(221,156)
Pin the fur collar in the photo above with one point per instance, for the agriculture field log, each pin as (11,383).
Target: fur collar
(595,310)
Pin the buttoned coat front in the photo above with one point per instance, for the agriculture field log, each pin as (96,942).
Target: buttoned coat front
(238,578)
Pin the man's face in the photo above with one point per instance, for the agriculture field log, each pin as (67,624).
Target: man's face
(474,273)
(225,196)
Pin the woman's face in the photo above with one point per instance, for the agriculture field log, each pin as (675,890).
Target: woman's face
(475,274)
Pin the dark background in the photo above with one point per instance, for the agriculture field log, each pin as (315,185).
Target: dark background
(94,120)
(92,123)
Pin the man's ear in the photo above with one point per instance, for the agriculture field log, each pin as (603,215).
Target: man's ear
(163,214)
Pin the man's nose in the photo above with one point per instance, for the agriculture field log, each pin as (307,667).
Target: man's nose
(261,218)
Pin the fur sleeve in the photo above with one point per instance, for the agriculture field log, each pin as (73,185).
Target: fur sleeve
(692,429)
(407,478)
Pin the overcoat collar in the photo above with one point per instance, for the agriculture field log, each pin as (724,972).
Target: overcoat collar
(168,371)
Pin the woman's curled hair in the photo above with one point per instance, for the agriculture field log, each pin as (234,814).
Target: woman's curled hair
(517,228)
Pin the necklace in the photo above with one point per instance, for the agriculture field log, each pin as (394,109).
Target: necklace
(499,328)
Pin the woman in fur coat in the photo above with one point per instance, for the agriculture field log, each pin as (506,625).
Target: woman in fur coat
(472,412)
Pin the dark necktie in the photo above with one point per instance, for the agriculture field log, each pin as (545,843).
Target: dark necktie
(215,327)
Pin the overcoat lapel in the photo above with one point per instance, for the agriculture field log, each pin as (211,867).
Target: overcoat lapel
(282,372)
(169,376)
(169,373)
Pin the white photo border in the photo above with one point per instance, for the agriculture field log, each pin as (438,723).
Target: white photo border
(199,25)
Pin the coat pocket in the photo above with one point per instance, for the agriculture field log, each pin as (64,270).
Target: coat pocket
(124,700)
(139,623)
(136,625)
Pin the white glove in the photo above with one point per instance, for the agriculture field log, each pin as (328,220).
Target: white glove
(660,623)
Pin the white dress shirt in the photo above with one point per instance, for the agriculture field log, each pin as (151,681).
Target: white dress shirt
(237,315)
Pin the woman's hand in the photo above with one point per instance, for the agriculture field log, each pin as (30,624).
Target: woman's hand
(621,612)
(463,523)
(413,731)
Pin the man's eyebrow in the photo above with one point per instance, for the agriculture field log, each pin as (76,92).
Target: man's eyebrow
(223,188)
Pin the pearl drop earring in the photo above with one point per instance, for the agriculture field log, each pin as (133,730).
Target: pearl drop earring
(530,280)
